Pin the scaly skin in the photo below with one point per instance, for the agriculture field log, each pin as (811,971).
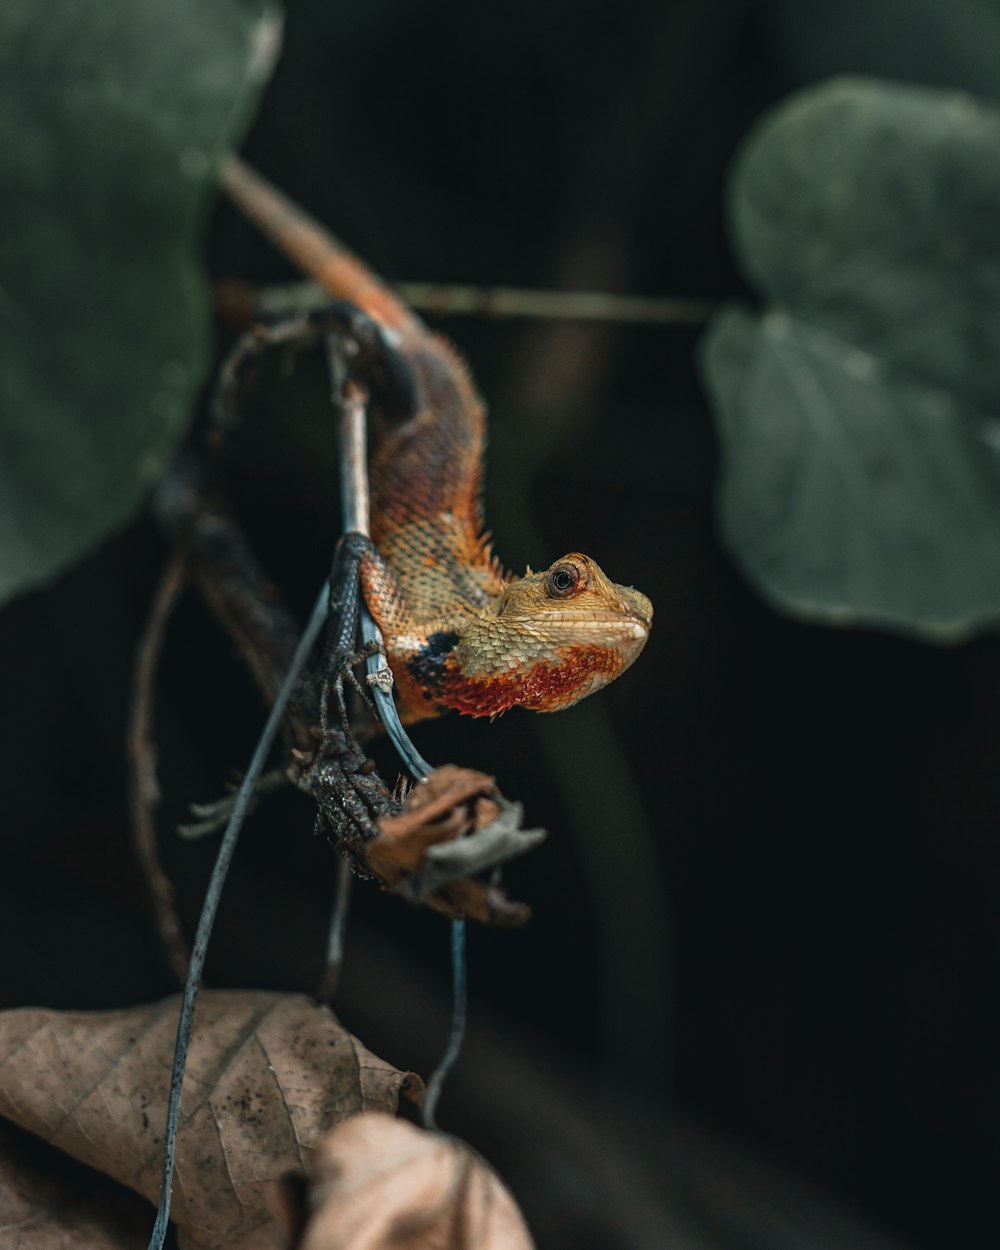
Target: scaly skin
(459,633)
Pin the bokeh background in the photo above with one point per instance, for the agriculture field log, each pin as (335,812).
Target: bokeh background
(758,991)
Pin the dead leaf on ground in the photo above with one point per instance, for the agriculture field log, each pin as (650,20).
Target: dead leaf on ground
(41,1211)
(377,1183)
(456,823)
(268,1075)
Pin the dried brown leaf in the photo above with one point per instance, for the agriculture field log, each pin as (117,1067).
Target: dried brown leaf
(455,824)
(268,1075)
(451,803)
(381,1184)
(41,1211)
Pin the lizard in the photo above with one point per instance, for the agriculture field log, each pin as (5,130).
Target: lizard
(460,633)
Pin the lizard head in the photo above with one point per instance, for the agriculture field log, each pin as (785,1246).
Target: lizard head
(572,629)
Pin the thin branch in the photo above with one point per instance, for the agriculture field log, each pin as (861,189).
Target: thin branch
(456,1032)
(211,905)
(144,792)
(356,499)
(333,269)
(336,940)
(493,302)
(313,248)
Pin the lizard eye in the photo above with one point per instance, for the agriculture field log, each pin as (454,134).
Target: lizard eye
(562,580)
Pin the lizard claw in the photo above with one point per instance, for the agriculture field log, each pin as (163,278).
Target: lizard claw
(340,668)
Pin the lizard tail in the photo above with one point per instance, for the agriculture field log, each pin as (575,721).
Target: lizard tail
(431,465)
(316,252)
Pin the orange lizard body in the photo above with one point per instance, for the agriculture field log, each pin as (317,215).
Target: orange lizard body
(459,633)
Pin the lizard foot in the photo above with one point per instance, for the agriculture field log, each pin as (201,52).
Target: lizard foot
(338,669)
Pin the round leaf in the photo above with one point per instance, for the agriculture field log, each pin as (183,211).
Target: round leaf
(113,116)
(861,456)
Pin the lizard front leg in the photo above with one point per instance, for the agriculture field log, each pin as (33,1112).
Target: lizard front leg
(340,653)
(357,564)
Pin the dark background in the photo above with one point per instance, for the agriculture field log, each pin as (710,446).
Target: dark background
(766,912)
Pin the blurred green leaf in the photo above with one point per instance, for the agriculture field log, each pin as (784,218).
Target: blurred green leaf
(113,117)
(860,442)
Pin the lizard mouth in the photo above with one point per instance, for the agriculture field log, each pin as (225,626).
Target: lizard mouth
(608,628)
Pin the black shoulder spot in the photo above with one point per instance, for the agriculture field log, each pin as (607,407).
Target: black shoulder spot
(428,666)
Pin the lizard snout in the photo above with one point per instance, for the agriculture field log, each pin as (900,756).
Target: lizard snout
(635,605)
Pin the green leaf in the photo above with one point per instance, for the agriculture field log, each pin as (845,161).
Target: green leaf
(860,441)
(114,115)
